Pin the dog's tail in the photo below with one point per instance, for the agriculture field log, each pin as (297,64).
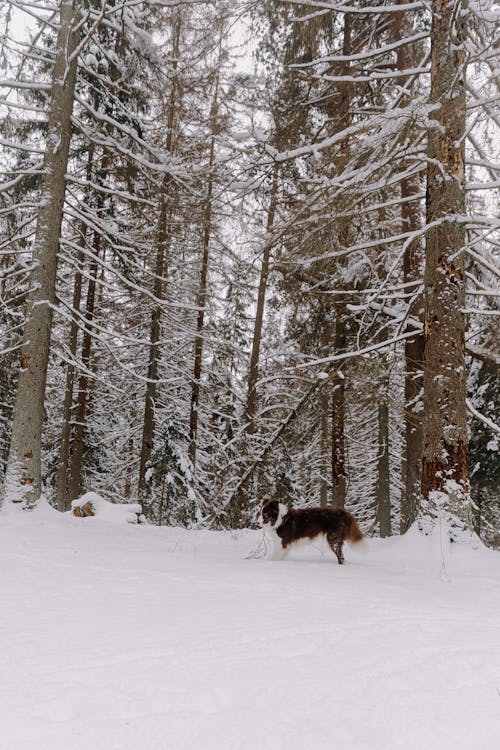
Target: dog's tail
(354,535)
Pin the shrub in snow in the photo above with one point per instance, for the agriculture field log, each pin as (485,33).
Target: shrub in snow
(484,453)
(170,476)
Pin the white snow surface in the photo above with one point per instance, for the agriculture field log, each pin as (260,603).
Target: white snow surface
(132,637)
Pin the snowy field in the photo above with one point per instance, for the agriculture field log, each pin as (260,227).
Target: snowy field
(120,637)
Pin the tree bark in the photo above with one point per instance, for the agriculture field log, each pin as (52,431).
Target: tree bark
(325,442)
(383,488)
(411,466)
(202,290)
(148,429)
(253,374)
(75,480)
(62,503)
(163,244)
(339,473)
(445,437)
(23,479)
(64,450)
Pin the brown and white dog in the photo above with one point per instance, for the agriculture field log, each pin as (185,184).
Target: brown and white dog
(286,526)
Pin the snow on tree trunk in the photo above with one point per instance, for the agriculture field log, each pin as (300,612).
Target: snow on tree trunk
(444,470)
(22,484)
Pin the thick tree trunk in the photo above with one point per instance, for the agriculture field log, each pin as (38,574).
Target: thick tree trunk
(23,479)
(445,437)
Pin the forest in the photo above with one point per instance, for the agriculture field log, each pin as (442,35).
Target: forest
(249,249)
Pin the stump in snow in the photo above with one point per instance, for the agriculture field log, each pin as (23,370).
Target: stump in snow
(92,504)
(82,511)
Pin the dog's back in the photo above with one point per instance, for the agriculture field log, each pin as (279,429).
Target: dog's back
(291,525)
(308,523)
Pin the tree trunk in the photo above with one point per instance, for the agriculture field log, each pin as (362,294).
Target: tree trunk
(411,467)
(445,437)
(383,476)
(148,429)
(339,475)
(128,473)
(202,291)
(325,442)
(253,375)
(163,245)
(83,381)
(24,477)
(64,450)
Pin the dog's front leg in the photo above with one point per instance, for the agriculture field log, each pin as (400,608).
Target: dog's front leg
(277,550)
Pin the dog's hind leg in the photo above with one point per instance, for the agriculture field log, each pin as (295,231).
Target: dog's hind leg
(335,543)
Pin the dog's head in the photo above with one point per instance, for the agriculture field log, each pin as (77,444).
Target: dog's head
(272,513)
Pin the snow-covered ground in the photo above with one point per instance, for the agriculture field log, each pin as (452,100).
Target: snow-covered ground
(120,637)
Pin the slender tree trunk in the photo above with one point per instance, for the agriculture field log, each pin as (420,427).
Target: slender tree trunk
(253,374)
(383,488)
(148,429)
(445,437)
(163,244)
(64,450)
(24,477)
(413,444)
(128,473)
(325,442)
(75,481)
(241,497)
(202,290)
(339,473)
(413,261)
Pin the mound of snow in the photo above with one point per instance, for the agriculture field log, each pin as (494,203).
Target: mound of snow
(114,512)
